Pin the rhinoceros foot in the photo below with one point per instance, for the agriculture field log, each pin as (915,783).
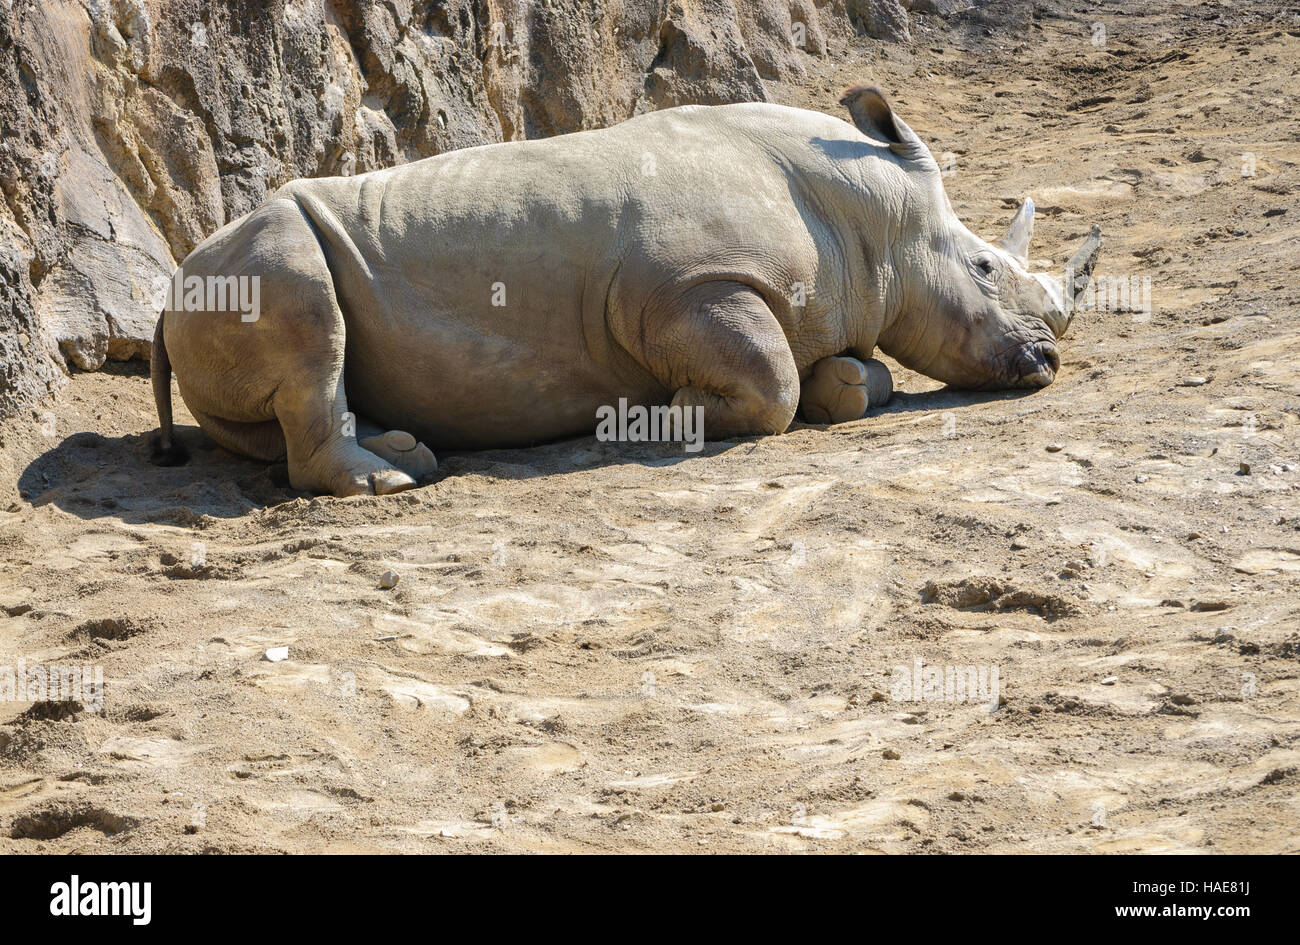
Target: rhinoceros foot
(403,451)
(379,482)
(843,388)
(345,469)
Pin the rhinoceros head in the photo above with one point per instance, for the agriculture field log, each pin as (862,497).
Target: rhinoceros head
(964,311)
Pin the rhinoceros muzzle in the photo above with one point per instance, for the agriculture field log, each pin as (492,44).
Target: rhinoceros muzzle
(1036,364)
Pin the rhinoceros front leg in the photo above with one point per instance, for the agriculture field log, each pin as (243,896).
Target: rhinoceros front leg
(722,349)
(841,388)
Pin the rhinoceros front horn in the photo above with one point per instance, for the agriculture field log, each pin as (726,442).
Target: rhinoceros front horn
(1016,240)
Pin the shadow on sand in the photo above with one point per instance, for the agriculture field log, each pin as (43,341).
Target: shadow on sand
(93,476)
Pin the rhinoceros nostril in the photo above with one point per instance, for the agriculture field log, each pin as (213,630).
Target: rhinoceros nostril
(1039,363)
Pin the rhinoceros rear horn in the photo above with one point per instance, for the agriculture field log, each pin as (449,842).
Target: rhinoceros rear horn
(1079,268)
(873,116)
(1016,240)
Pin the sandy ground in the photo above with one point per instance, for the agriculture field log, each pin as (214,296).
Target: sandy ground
(601,647)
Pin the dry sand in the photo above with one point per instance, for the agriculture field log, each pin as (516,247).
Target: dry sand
(602,647)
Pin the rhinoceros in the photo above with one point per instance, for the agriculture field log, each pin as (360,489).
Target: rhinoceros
(742,260)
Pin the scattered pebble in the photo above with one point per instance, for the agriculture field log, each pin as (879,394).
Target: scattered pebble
(1243,469)
(277,654)
(890,754)
(1110,680)
(1054,447)
(1192,382)
(1203,606)
(388,579)
(1141,478)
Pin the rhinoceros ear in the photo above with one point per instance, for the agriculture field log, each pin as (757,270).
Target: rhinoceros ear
(1016,240)
(870,111)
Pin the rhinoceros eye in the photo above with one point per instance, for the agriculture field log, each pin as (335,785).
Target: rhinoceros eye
(986,267)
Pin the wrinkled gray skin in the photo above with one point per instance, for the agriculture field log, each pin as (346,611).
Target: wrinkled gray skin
(661,260)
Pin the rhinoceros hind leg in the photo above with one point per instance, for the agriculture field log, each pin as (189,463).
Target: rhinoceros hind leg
(841,388)
(403,451)
(320,439)
(274,386)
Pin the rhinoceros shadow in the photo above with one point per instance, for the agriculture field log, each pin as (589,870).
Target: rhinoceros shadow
(94,476)
(945,398)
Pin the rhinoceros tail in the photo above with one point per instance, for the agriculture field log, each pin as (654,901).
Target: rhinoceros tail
(166,450)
